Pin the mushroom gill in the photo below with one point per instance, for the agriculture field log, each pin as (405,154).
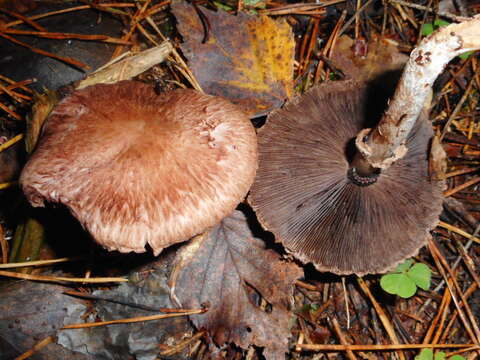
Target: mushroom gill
(304,192)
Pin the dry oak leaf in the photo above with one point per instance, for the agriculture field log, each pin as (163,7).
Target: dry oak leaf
(246,59)
(225,269)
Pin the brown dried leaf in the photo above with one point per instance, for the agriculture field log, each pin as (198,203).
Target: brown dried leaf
(226,269)
(247,59)
(438,160)
(382,57)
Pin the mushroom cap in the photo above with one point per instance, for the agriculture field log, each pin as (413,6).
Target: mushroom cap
(138,168)
(302,193)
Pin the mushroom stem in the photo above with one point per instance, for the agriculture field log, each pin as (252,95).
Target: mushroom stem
(382,146)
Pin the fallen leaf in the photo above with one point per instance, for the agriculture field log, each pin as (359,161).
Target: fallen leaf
(382,57)
(226,269)
(41,313)
(44,103)
(438,160)
(147,286)
(247,59)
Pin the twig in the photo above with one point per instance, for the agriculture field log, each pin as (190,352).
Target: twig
(67,60)
(349,22)
(381,314)
(37,263)
(440,318)
(459,258)
(345,298)
(60,278)
(18,84)
(329,347)
(182,344)
(341,337)
(138,306)
(458,231)
(132,320)
(8,110)
(299,8)
(429,9)
(64,11)
(180,63)
(462,186)
(24,19)
(459,105)
(305,285)
(38,346)
(461,172)
(6,185)
(440,262)
(62,36)
(467,260)
(11,142)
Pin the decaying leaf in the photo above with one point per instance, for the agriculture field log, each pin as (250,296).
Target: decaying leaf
(438,160)
(247,59)
(147,286)
(382,57)
(225,270)
(29,313)
(44,103)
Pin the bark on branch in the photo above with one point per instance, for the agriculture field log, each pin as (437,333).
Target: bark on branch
(385,144)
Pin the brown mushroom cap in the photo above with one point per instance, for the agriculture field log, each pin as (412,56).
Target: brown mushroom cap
(303,195)
(135,167)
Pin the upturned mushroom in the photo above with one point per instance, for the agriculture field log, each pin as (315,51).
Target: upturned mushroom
(137,168)
(363,212)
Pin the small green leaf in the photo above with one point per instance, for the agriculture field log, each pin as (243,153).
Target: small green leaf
(440,355)
(389,283)
(398,284)
(223,6)
(425,354)
(252,3)
(427,29)
(439,23)
(456,357)
(420,275)
(403,267)
(406,287)
(465,55)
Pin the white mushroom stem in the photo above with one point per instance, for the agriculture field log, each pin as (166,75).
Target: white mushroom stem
(385,144)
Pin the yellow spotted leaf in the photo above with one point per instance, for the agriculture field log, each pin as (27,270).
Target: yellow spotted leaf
(247,59)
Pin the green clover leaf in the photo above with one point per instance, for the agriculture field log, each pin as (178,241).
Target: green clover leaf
(425,354)
(403,281)
(427,29)
(398,284)
(404,266)
(421,275)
